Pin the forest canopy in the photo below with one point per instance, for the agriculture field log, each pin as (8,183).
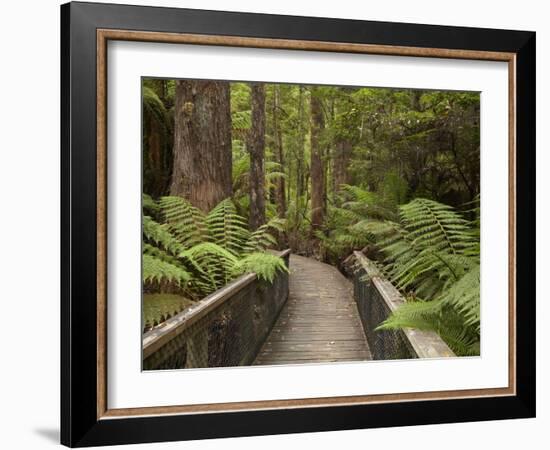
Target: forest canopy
(324,170)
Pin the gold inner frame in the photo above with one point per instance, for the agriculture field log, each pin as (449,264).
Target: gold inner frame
(104,35)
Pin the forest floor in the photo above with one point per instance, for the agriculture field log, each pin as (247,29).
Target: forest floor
(320,321)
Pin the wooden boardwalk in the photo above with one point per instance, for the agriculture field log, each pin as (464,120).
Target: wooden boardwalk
(320,321)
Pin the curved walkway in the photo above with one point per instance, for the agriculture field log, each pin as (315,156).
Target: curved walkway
(320,321)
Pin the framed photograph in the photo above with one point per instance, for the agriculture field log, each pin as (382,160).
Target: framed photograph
(277,224)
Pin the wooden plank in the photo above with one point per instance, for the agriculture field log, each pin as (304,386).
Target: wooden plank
(320,321)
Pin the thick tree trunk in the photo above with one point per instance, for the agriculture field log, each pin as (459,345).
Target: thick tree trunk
(317,172)
(340,164)
(278,137)
(202,143)
(256,148)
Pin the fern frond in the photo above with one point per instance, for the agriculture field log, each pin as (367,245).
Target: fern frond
(264,265)
(419,314)
(159,234)
(206,249)
(464,297)
(435,225)
(212,262)
(159,253)
(434,254)
(148,204)
(227,228)
(156,270)
(186,222)
(355,193)
(261,238)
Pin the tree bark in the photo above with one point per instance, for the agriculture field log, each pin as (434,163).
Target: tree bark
(154,142)
(341,161)
(300,185)
(202,143)
(317,172)
(256,148)
(278,137)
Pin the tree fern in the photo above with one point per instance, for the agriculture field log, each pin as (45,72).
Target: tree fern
(344,229)
(366,203)
(186,222)
(438,317)
(264,265)
(149,205)
(464,297)
(214,264)
(436,226)
(157,270)
(201,253)
(160,235)
(227,228)
(428,249)
(432,254)
(261,238)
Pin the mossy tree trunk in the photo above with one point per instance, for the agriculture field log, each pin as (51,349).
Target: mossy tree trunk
(202,143)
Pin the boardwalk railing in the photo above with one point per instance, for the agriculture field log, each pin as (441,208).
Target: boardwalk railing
(226,328)
(376,298)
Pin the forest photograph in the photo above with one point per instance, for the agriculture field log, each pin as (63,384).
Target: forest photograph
(295,224)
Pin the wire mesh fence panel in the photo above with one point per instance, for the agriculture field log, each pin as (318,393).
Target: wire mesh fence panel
(373,310)
(226,329)
(376,298)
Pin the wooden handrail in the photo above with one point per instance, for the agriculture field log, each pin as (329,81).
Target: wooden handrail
(159,336)
(426,344)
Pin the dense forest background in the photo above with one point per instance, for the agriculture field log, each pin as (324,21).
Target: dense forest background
(310,141)
(325,170)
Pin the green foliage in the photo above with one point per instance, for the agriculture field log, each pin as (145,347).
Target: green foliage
(149,205)
(212,263)
(394,189)
(200,253)
(432,256)
(185,222)
(264,265)
(240,176)
(157,270)
(227,228)
(367,204)
(157,134)
(401,144)
(160,236)
(436,316)
(154,106)
(426,251)
(261,238)
(345,229)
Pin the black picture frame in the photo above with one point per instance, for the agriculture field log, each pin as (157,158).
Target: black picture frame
(80,425)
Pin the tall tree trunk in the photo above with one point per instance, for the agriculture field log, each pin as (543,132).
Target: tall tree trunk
(340,164)
(300,156)
(278,136)
(202,143)
(317,172)
(256,148)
